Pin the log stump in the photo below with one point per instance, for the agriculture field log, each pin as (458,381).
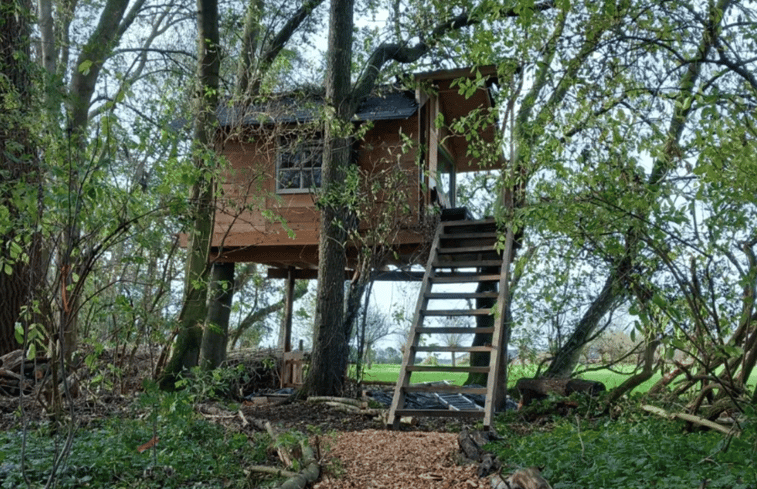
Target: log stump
(537,389)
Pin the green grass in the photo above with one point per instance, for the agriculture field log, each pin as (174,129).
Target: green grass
(390,373)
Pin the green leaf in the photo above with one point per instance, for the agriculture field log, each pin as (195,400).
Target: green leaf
(19,333)
(85,66)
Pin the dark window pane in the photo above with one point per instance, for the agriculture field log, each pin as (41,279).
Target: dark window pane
(289,179)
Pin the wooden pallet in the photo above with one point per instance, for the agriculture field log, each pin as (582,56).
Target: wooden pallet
(460,253)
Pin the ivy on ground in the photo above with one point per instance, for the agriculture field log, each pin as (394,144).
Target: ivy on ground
(639,452)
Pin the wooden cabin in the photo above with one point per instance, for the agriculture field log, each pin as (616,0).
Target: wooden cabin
(408,154)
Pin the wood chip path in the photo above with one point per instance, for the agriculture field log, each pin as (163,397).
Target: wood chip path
(374,459)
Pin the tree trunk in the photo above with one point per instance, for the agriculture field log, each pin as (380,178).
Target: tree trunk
(20,168)
(330,348)
(568,356)
(636,380)
(186,350)
(481,359)
(215,337)
(259,314)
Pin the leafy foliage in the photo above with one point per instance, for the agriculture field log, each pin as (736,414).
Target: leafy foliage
(191,452)
(635,452)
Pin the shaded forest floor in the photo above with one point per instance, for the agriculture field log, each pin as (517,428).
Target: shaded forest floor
(127,434)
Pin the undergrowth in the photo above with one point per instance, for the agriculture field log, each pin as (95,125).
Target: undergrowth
(117,452)
(634,451)
(195,454)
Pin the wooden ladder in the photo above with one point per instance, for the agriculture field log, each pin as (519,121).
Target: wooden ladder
(462,252)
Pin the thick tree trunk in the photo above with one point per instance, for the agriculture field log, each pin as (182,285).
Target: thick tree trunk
(215,337)
(330,348)
(20,168)
(482,359)
(186,351)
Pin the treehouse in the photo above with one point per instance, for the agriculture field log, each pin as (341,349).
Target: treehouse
(410,145)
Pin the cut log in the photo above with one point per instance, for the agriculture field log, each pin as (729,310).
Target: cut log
(536,389)
(471,451)
(529,478)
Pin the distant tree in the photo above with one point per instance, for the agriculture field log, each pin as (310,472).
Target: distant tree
(373,327)
(454,340)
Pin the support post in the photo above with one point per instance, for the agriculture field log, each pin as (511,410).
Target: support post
(288,310)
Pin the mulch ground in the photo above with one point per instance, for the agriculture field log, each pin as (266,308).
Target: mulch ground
(357,452)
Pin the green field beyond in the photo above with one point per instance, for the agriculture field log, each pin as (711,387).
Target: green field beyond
(390,373)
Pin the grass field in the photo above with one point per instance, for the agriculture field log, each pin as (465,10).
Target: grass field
(390,372)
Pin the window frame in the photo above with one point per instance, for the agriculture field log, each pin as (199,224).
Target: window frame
(294,149)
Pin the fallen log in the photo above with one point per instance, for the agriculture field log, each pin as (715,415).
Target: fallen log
(690,418)
(471,447)
(17,371)
(341,400)
(310,472)
(529,478)
(266,469)
(345,408)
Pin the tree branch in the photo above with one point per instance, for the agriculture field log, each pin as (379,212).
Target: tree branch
(402,53)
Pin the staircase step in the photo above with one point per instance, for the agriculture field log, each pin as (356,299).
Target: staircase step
(453,263)
(461,278)
(478,223)
(461,295)
(447,368)
(444,388)
(449,250)
(457,312)
(441,413)
(454,349)
(472,235)
(443,330)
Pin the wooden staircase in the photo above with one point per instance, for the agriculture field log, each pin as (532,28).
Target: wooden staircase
(462,253)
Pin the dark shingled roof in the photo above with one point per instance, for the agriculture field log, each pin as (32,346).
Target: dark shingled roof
(389,105)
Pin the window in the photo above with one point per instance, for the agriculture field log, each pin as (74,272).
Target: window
(298,166)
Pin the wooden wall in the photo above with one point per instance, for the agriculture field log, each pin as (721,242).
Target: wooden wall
(251,212)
